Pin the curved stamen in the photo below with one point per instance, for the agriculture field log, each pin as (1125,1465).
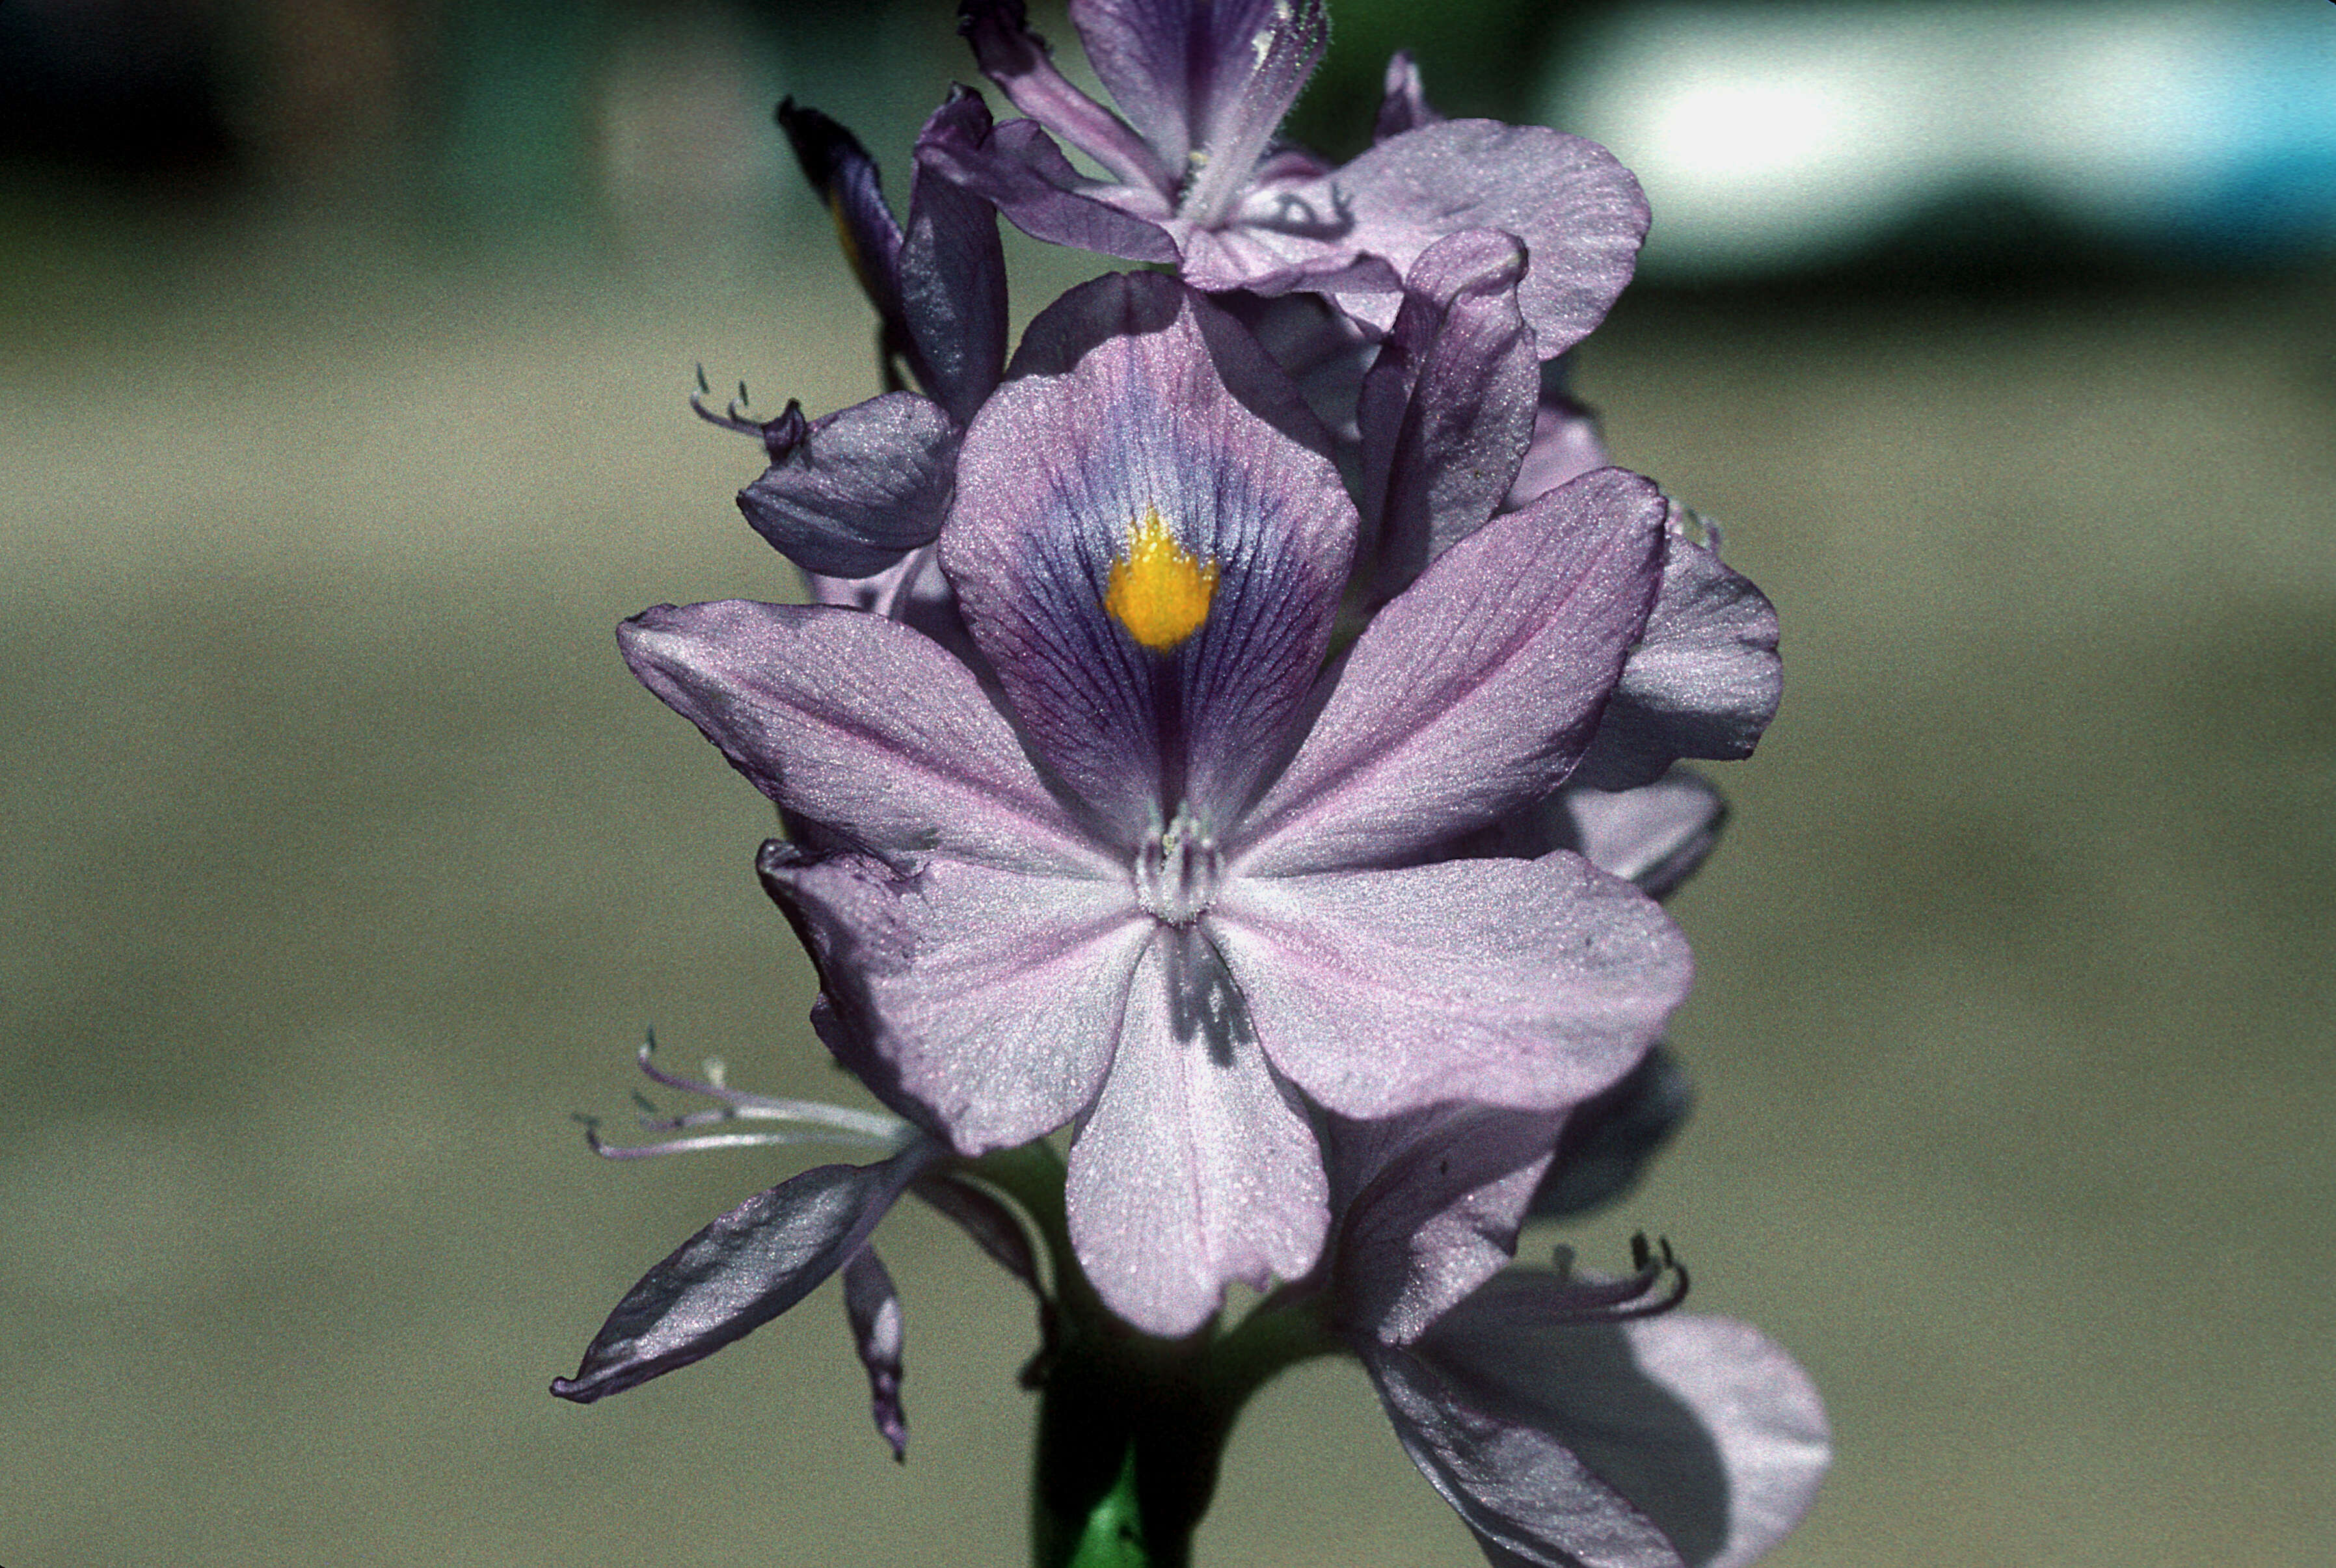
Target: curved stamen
(1657,1282)
(712,1140)
(807,1121)
(734,418)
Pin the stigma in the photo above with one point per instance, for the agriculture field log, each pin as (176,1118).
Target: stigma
(1159,590)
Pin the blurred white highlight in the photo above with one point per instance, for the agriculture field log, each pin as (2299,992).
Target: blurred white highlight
(1775,138)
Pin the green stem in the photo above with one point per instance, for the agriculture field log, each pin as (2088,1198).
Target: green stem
(1132,1428)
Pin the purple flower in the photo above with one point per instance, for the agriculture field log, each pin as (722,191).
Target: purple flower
(1150,868)
(1192,176)
(1572,1422)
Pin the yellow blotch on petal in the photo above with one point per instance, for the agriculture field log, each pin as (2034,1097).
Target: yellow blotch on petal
(1158,590)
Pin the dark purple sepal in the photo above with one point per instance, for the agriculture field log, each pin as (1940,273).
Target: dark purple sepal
(852,189)
(741,1272)
(1020,171)
(873,1306)
(1447,409)
(1608,1141)
(952,268)
(848,495)
(1704,680)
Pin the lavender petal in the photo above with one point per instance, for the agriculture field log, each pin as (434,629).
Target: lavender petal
(1010,55)
(859,725)
(1530,984)
(1429,1204)
(1704,680)
(1709,1428)
(1523,1492)
(1142,52)
(990,996)
(1565,445)
(1447,409)
(1656,835)
(1055,477)
(1018,170)
(1581,215)
(1473,693)
(1196,1167)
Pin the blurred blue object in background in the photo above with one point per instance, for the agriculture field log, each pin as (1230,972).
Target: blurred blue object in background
(1779,138)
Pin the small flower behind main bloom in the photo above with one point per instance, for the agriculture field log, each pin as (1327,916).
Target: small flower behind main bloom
(1192,175)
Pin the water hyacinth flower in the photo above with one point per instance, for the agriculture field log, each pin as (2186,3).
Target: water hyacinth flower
(1239,733)
(1453,419)
(1171,881)
(1192,176)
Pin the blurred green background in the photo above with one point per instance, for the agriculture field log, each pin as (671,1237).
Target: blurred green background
(342,355)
